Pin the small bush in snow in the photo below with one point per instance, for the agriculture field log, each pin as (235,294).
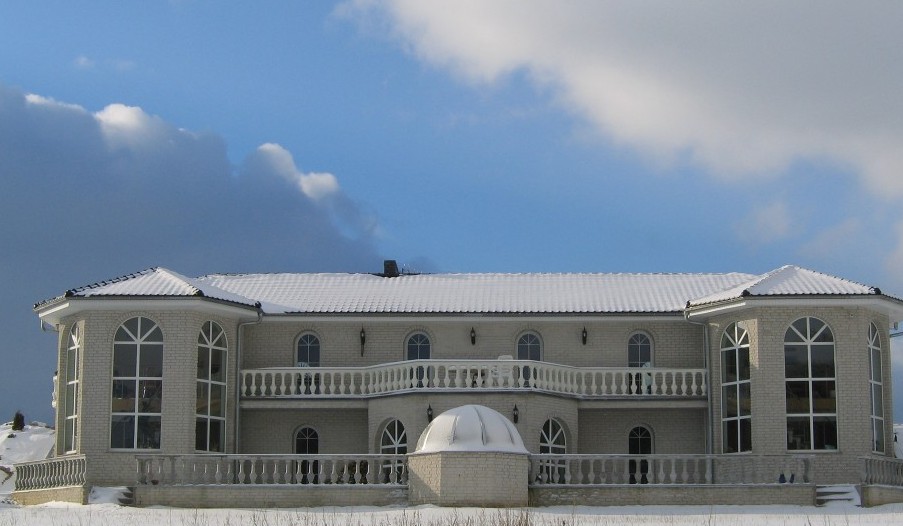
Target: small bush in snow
(18,421)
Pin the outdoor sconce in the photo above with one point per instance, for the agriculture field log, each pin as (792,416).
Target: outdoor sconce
(429,413)
(363,340)
(473,336)
(583,336)
(515,413)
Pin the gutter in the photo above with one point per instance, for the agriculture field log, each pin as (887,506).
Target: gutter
(709,436)
(238,362)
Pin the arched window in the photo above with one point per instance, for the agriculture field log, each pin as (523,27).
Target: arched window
(529,347)
(419,347)
(307,441)
(639,350)
(736,400)
(639,442)
(137,385)
(876,388)
(210,416)
(308,350)
(811,385)
(552,441)
(70,433)
(393,441)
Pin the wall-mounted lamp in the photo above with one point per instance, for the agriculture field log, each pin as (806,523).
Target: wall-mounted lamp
(583,336)
(429,413)
(473,336)
(363,340)
(515,413)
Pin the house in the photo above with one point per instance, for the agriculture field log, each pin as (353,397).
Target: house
(274,389)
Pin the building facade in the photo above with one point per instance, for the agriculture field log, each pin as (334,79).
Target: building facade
(792,363)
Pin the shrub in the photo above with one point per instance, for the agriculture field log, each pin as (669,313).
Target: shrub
(18,421)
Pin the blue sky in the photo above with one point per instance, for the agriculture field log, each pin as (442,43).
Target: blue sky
(465,136)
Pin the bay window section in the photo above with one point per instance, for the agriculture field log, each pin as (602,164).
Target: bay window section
(876,386)
(811,386)
(210,419)
(736,398)
(73,351)
(137,385)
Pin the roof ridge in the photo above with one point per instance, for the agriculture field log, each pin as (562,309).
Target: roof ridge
(119,279)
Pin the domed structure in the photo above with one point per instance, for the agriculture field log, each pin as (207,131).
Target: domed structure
(471,428)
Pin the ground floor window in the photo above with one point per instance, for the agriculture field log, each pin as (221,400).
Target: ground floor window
(639,442)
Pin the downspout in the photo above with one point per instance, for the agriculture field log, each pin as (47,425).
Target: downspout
(709,436)
(238,384)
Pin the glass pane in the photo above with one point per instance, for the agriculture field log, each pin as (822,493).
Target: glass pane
(148,432)
(124,356)
(878,434)
(729,401)
(797,397)
(123,396)
(71,393)
(824,397)
(202,399)
(69,436)
(200,434)
(824,336)
(825,430)
(122,432)
(203,363)
(729,436)
(728,366)
(151,361)
(745,434)
(744,399)
(798,436)
(876,365)
(155,336)
(217,367)
(877,400)
(132,327)
(71,365)
(822,361)
(217,435)
(794,333)
(743,364)
(217,398)
(796,361)
(150,396)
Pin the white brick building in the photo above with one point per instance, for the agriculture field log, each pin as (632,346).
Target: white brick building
(636,379)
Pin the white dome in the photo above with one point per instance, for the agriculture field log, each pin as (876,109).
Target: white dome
(470,428)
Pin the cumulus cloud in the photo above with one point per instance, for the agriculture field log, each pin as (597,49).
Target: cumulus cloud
(314,185)
(766,224)
(740,89)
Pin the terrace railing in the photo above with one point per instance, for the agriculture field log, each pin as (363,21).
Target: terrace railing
(204,469)
(333,382)
(882,471)
(595,470)
(51,473)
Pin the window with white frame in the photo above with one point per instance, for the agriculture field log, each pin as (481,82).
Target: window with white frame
(308,350)
(639,442)
(876,393)
(73,352)
(736,399)
(307,442)
(552,441)
(529,347)
(418,346)
(811,383)
(137,385)
(393,441)
(639,350)
(210,419)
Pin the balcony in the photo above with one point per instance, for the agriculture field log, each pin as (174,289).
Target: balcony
(472,375)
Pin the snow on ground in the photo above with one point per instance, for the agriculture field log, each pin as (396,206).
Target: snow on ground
(33,443)
(36,441)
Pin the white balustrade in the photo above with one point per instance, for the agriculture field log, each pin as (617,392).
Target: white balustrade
(201,469)
(51,473)
(882,471)
(331,382)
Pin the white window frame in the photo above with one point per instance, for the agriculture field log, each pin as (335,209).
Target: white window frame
(876,389)
(70,410)
(144,339)
(734,344)
(212,339)
(810,341)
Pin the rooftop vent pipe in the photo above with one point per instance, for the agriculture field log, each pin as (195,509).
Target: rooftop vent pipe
(390,268)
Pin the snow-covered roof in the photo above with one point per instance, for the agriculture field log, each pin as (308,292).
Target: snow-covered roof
(300,293)
(470,428)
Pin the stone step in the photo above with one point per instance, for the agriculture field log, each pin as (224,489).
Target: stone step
(838,494)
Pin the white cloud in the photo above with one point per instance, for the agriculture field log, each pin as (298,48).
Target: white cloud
(83,62)
(766,224)
(834,240)
(894,262)
(314,185)
(741,89)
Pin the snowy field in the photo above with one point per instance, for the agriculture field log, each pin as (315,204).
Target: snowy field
(37,440)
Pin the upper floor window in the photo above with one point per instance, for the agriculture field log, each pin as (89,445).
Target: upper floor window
(73,350)
(736,399)
(307,441)
(308,350)
(210,419)
(876,391)
(639,350)
(137,385)
(418,347)
(529,347)
(811,385)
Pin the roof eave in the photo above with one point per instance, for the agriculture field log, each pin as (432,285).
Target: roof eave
(889,305)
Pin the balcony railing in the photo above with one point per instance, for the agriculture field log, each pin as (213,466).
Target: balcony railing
(51,473)
(882,471)
(177,470)
(336,382)
(598,470)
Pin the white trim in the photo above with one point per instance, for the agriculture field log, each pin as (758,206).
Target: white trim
(880,303)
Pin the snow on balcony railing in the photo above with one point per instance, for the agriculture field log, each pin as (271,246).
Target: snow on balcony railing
(312,382)
(205,469)
(598,470)
(57,472)
(884,471)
